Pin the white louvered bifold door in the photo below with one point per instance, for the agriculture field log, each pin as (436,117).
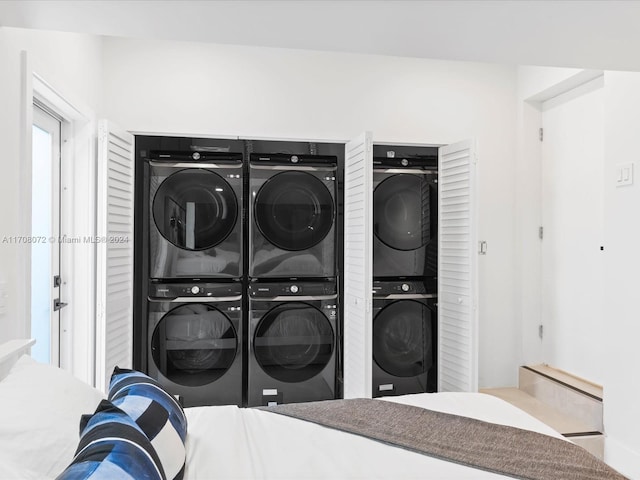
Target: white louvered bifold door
(358,241)
(114,251)
(457,274)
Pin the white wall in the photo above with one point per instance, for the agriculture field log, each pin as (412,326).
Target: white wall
(622,281)
(204,89)
(72,64)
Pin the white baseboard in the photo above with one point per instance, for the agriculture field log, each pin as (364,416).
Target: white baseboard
(622,458)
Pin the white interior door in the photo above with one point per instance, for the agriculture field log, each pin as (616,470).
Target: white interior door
(358,241)
(457,273)
(114,269)
(46,282)
(572,219)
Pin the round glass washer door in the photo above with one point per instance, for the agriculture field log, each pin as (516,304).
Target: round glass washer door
(294,210)
(402,338)
(194,344)
(293,342)
(401,206)
(195,209)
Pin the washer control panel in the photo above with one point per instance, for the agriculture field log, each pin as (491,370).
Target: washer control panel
(425,286)
(291,289)
(179,290)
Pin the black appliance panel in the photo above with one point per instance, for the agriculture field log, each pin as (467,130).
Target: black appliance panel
(195,226)
(195,345)
(424,162)
(402,339)
(292,290)
(293,160)
(292,343)
(195,157)
(401,212)
(404,342)
(424,288)
(423,154)
(294,211)
(195,209)
(405,222)
(292,216)
(188,288)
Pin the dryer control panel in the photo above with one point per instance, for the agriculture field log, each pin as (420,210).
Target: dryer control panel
(293,160)
(197,156)
(426,163)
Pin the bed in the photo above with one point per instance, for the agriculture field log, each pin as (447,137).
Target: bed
(41,408)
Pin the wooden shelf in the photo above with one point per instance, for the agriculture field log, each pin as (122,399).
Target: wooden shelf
(568,379)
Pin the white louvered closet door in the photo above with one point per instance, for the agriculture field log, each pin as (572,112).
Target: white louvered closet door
(114,251)
(457,273)
(358,241)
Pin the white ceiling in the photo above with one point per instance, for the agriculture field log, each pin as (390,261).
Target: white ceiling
(572,33)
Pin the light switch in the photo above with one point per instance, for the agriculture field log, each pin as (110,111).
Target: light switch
(624,174)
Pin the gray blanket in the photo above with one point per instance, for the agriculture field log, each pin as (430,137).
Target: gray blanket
(495,448)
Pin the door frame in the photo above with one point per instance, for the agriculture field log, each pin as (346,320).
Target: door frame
(78,206)
(49,122)
(547,264)
(529,216)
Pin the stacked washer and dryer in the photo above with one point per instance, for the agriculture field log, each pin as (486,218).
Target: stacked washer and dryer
(195,302)
(405,266)
(240,302)
(237,271)
(293,290)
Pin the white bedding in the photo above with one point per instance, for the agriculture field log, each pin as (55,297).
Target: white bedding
(41,408)
(232,443)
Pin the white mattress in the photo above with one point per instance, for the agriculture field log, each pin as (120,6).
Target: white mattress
(233,443)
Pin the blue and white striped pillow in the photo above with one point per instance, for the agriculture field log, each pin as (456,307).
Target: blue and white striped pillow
(157,413)
(112,446)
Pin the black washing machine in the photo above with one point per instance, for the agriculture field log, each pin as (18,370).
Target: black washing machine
(195,341)
(404,338)
(292,216)
(292,342)
(195,221)
(405,216)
